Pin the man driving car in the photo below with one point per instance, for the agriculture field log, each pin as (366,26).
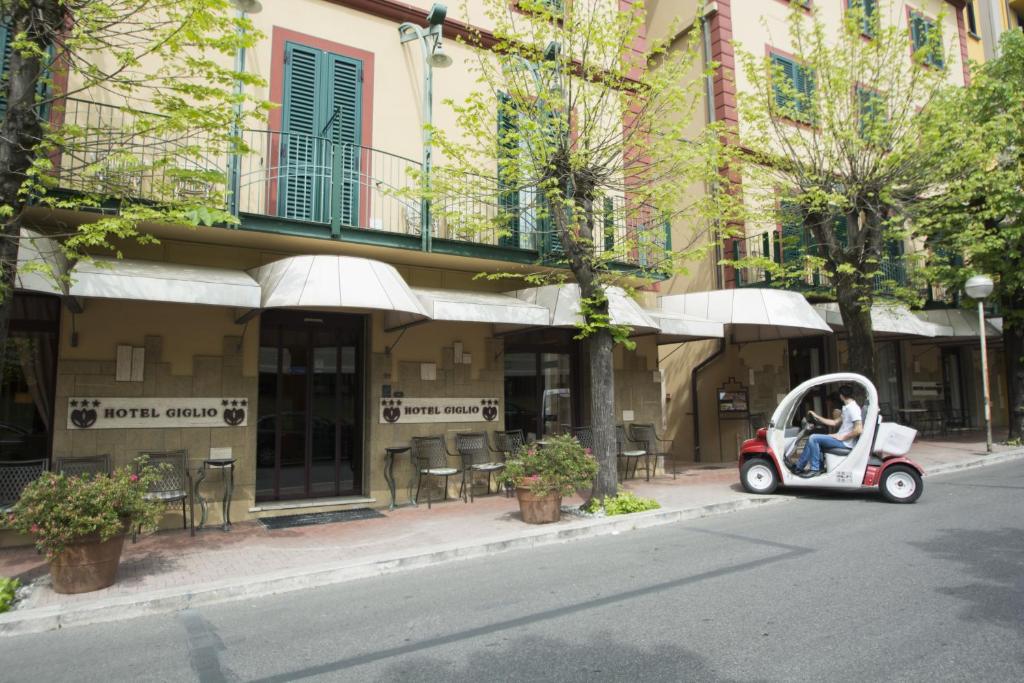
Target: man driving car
(850,427)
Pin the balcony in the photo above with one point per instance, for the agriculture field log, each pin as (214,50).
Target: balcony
(764,250)
(313,187)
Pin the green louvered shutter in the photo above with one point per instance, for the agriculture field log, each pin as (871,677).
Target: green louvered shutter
(345,97)
(792,232)
(302,154)
(546,227)
(609,224)
(842,228)
(804,82)
(783,100)
(508,194)
(5,61)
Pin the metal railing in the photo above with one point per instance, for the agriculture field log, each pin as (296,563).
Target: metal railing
(115,152)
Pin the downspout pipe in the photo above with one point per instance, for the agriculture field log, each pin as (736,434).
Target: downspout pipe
(695,396)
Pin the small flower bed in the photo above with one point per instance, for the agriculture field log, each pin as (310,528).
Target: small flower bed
(57,509)
(624,503)
(561,466)
(8,588)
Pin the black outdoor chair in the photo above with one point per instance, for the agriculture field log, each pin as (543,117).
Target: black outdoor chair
(430,453)
(476,458)
(625,453)
(173,484)
(655,447)
(585,435)
(509,442)
(92,465)
(14,477)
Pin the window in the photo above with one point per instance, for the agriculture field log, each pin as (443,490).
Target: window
(793,89)
(6,38)
(871,112)
(869,14)
(925,35)
(972,19)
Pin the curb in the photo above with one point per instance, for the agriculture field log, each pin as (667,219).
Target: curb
(37,620)
(979,461)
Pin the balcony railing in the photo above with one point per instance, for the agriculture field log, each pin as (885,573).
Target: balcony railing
(315,185)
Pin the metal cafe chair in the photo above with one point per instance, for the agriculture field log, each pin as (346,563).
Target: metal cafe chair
(655,446)
(476,458)
(14,477)
(585,435)
(92,465)
(173,484)
(430,453)
(626,454)
(509,442)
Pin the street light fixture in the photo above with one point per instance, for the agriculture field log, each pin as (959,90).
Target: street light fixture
(244,7)
(430,37)
(978,288)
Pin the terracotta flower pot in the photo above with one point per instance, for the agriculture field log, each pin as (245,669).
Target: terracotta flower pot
(88,564)
(539,509)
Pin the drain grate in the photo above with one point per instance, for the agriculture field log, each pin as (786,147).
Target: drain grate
(313,518)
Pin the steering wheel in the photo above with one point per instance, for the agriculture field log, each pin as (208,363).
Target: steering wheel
(806,427)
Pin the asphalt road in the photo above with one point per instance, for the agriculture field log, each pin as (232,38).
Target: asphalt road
(826,588)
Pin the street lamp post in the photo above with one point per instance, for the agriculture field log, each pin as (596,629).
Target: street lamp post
(244,7)
(433,56)
(978,288)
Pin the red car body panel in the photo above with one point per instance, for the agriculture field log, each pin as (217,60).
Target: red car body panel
(758,448)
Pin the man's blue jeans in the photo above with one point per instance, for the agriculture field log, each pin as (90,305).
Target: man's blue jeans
(812,451)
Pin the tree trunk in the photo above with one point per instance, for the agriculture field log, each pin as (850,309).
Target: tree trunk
(855,309)
(1013,343)
(602,412)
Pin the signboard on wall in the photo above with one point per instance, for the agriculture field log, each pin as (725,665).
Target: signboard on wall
(145,413)
(419,410)
(926,389)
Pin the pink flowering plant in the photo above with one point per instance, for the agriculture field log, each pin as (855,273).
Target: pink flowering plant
(58,509)
(562,465)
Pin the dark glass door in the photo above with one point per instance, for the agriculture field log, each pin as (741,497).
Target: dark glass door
(541,383)
(309,442)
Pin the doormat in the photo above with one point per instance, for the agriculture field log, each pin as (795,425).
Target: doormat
(312,518)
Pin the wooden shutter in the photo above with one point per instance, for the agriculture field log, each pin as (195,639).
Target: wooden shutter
(6,38)
(609,224)
(508,192)
(344,129)
(803,79)
(302,154)
(792,219)
(787,69)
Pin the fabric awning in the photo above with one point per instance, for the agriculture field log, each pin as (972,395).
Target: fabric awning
(886,321)
(165,282)
(468,306)
(675,328)
(751,315)
(563,305)
(48,264)
(958,323)
(335,282)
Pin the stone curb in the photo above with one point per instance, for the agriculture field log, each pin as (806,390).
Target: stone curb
(35,620)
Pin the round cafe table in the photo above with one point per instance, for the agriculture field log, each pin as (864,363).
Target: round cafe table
(227,470)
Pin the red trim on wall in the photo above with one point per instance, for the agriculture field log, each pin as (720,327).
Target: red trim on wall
(279,38)
(400,11)
(961,29)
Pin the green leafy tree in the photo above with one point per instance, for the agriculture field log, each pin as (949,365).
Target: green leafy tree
(977,225)
(573,143)
(837,154)
(164,69)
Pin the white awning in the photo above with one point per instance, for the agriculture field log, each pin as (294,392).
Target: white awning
(886,321)
(958,323)
(335,282)
(41,264)
(563,305)
(677,328)
(469,306)
(751,315)
(165,282)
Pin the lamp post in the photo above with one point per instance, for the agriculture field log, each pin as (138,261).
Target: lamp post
(433,56)
(244,7)
(978,288)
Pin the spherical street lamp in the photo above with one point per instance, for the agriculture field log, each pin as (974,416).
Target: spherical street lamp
(978,288)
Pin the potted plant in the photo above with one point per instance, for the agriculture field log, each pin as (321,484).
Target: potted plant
(543,474)
(80,522)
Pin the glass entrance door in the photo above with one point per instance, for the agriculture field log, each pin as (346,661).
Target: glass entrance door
(309,442)
(541,383)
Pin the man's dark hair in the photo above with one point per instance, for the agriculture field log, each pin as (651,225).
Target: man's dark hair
(846,390)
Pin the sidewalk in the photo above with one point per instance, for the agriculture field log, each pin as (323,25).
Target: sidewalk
(170,570)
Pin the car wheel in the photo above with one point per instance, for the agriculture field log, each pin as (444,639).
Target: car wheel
(901,484)
(758,476)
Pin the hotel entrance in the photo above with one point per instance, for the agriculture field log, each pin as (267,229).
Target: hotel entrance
(541,383)
(309,429)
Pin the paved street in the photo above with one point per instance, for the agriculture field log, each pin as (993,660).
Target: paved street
(826,588)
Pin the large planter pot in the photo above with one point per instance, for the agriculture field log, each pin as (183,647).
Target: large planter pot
(542,509)
(88,564)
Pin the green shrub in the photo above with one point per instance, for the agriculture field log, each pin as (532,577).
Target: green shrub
(7,589)
(622,504)
(562,465)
